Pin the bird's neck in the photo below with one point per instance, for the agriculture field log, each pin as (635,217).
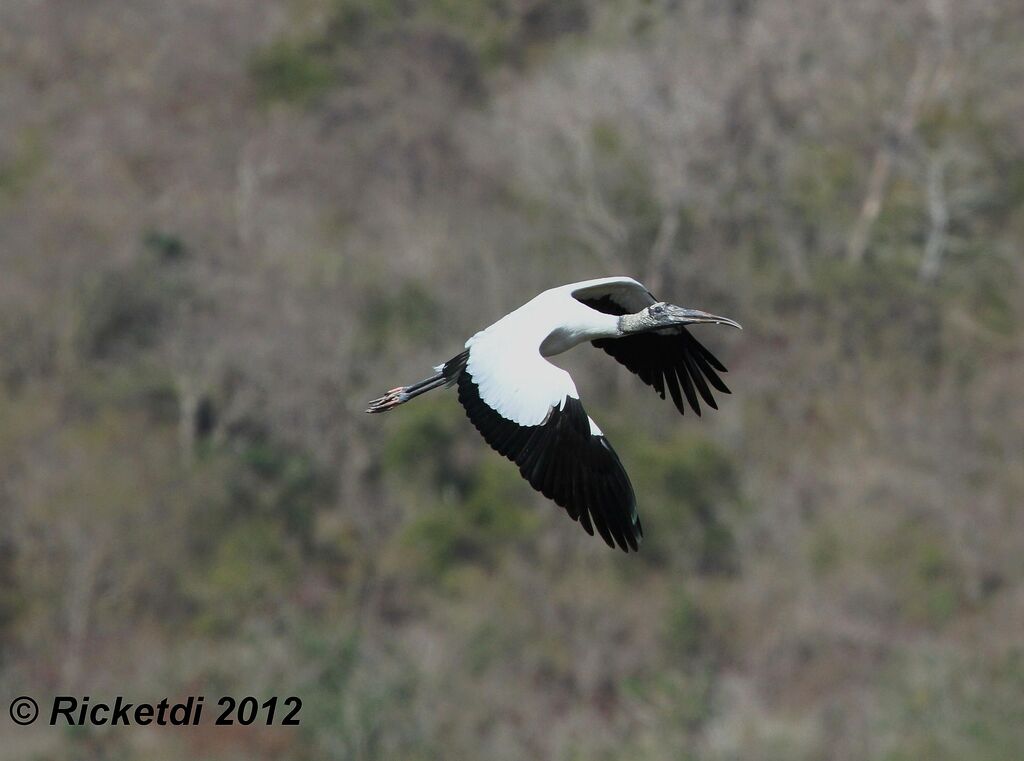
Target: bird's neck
(588,326)
(629,324)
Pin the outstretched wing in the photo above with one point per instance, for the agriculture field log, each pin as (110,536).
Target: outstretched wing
(670,358)
(560,451)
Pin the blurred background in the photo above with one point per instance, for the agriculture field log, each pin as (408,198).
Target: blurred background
(227,224)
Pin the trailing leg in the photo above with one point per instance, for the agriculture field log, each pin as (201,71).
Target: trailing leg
(446,375)
(402,394)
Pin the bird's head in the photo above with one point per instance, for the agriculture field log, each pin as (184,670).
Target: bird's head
(662,315)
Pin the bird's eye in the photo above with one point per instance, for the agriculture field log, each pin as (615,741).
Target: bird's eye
(657,309)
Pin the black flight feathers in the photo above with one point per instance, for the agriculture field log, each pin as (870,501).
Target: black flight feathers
(561,459)
(672,359)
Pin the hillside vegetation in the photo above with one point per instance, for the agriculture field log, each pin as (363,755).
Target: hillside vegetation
(226,225)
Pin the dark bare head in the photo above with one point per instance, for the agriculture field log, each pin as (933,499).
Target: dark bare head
(661,315)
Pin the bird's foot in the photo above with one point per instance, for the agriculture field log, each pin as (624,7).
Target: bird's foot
(389,401)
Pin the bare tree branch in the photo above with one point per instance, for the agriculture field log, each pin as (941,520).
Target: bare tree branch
(938,213)
(881,167)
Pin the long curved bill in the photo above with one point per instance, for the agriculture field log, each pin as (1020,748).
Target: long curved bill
(695,316)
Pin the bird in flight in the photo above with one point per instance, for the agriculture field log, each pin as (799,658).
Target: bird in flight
(528,409)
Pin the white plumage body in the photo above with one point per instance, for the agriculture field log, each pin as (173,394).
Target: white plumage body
(507,359)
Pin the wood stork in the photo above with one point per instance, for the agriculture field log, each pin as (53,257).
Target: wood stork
(529,410)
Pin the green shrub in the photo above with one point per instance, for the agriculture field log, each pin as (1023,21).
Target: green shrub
(251,569)
(941,705)
(281,483)
(123,309)
(22,165)
(166,246)
(406,314)
(419,446)
(492,515)
(686,488)
(121,314)
(925,574)
(685,626)
(12,602)
(290,72)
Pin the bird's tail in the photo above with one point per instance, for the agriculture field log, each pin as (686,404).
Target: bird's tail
(446,375)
